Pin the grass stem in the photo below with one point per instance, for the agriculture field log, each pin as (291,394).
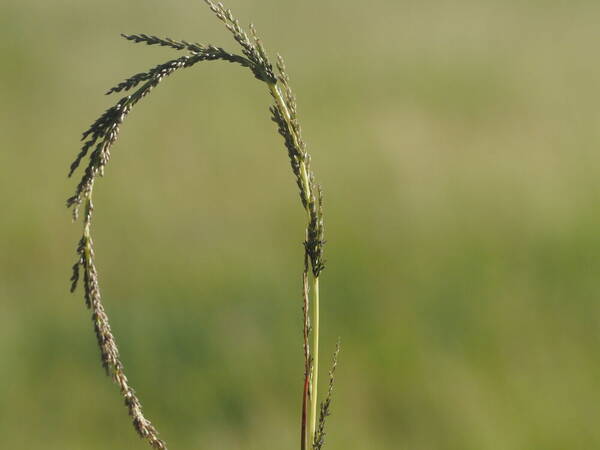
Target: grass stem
(315,365)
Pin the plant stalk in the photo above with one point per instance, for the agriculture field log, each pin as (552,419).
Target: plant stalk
(315,365)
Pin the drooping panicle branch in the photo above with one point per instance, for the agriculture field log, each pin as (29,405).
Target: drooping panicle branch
(109,351)
(164,42)
(160,71)
(101,135)
(103,132)
(200,53)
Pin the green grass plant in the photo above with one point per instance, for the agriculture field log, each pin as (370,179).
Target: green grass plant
(98,141)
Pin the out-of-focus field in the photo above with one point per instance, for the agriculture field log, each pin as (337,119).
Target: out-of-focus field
(458,146)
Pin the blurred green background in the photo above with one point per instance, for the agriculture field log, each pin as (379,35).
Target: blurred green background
(457,143)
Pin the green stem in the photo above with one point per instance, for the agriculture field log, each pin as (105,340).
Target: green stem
(315,365)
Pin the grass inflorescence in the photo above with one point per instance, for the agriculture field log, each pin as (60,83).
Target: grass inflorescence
(98,140)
